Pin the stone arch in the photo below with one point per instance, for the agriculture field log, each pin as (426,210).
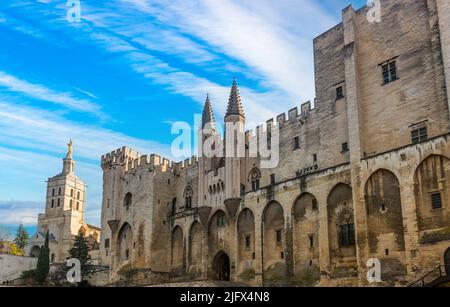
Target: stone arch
(221,268)
(195,247)
(217,235)
(125,243)
(177,262)
(341,227)
(128,200)
(385,222)
(246,241)
(274,242)
(305,222)
(35,251)
(432,195)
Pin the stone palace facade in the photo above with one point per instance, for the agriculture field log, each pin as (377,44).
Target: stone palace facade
(364,172)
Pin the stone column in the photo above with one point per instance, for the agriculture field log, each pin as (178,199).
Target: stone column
(324,245)
(443,7)
(355,141)
(259,270)
(409,210)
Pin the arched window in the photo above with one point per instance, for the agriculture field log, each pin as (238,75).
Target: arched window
(71,192)
(59,202)
(254,177)
(78,195)
(70,204)
(53,258)
(174,206)
(188,197)
(53,203)
(59,192)
(78,205)
(128,200)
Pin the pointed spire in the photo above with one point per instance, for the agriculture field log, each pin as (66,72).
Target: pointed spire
(208,115)
(234,102)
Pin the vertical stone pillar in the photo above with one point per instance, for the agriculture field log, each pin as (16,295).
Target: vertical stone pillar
(443,8)
(259,270)
(324,245)
(355,141)
(409,223)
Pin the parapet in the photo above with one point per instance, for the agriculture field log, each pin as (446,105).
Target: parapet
(119,156)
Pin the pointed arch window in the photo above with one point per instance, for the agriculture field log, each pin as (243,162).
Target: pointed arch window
(255,177)
(188,193)
(128,201)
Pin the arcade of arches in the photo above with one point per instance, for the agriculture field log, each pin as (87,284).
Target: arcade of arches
(264,244)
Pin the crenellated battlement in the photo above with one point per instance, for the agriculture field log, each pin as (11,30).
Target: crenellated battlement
(283,120)
(158,163)
(119,157)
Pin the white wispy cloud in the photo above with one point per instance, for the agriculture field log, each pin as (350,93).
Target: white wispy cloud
(45,131)
(41,92)
(14,212)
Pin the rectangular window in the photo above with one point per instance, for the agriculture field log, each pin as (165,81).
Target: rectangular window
(345,147)
(272,179)
(296,142)
(106,243)
(436,201)
(389,71)
(339,93)
(419,135)
(314,204)
(53,192)
(311,240)
(247,241)
(278,236)
(59,192)
(347,235)
(315,157)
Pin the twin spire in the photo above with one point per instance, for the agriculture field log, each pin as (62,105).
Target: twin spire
(234,107)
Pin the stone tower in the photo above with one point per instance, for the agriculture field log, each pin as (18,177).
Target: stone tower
(234,148)
(64,212)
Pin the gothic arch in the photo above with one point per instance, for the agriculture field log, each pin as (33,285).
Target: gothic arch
(341,224)
(217,236)
(274,241)
(246,240)
(177,262)
(385,221)
(305,223)
(195,247)
(128,201)
(432,194)
(254,177)
(125,243)
(188,194)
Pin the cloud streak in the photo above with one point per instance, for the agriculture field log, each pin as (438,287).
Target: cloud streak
(41,92)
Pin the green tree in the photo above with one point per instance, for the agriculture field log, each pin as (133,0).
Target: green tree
(80,250)
(22,238)
(43,264)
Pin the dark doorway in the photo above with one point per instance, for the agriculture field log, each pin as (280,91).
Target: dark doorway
(447,261)
(221,266)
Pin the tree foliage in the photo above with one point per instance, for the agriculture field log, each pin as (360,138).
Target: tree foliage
(80,250)
(22,238)
(43,264)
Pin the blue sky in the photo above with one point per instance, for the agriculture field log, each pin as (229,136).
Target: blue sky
(128,70)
